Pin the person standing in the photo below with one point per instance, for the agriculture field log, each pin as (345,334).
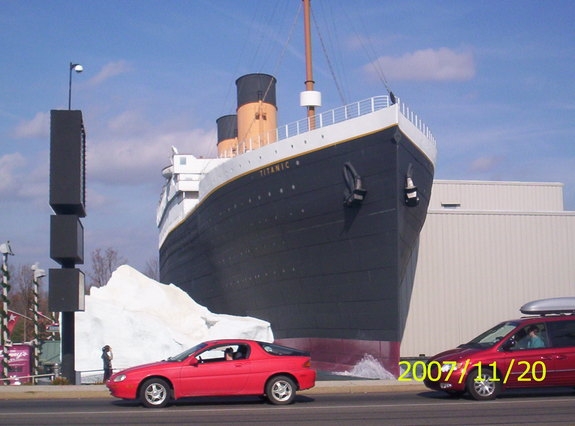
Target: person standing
(107,357)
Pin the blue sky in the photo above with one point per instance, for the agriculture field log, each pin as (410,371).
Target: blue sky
(492,79)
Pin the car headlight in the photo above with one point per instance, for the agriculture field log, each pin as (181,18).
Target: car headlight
(446,368)
(120,378)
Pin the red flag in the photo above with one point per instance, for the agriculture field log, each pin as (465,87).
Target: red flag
(13,318)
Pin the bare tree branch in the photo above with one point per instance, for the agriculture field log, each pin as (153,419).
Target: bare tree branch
(103,264)
(153,269)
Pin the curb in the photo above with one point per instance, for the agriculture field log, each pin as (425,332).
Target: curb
(363,386)
(100,391)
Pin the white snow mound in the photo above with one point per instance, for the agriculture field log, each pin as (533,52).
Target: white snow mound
(146,321)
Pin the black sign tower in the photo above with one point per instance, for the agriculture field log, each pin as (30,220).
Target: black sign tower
(68,201)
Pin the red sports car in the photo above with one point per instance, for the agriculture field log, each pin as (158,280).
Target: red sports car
(218,368)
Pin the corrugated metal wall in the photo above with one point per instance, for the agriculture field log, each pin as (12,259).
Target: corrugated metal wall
(477,266)
(497,196)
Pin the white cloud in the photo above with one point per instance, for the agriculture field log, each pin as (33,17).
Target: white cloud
(24,179)
(39,126)
(485,164)
(140,158)
(95,198)
(9,165)
(430,64)
(128,122)
(109,70)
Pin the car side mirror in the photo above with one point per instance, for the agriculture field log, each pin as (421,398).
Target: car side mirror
(194,361)
(509,344)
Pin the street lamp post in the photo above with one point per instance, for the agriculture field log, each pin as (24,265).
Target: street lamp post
(78,68)
(6,251)
(38,273)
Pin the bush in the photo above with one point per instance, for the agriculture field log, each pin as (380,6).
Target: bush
(60,381)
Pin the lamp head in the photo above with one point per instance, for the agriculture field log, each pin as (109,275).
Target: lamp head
(5,249)
(38,273)
(76,67)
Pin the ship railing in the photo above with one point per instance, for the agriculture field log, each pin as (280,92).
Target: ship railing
(328,118)
(417,122)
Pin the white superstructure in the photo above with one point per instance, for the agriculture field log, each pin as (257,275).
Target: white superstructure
(190,179)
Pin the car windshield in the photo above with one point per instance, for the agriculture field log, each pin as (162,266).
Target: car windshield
(186,353)
(491,336)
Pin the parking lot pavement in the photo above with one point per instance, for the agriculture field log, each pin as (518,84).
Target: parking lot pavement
(100,391)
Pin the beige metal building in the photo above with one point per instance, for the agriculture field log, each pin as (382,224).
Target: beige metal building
(486,249)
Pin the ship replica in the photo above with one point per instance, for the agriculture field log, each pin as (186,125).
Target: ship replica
(312,226)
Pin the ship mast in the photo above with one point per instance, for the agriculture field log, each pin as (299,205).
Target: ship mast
(309,98)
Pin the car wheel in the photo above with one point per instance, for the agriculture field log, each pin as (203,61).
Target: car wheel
(482,388)
(280,390)
(155,393)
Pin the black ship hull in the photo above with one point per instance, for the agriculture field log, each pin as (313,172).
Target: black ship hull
(279,244)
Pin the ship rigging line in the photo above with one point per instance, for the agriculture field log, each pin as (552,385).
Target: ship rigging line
(279,61)
(369,50)
(329,64)
(284,48)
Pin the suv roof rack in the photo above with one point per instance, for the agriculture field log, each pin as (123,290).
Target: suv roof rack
(555,305)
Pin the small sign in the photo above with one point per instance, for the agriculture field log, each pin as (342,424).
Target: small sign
(53,328)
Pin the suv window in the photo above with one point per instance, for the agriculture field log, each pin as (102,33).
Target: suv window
(532,336)
(562,333)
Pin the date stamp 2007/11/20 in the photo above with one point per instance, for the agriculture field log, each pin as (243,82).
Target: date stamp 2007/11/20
(434,371)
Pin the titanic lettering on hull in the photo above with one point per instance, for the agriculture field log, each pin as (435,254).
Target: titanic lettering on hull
(275,168)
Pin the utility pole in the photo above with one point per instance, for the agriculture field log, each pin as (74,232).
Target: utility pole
(38,273)
(5,342)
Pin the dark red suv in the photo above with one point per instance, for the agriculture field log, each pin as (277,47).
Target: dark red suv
(534,351)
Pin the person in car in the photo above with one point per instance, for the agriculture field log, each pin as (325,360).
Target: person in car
(535,341)
(229,354)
